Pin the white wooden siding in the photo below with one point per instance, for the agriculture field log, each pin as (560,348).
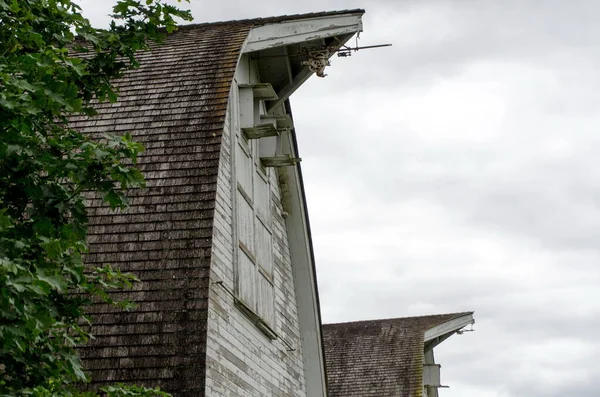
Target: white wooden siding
(241,360)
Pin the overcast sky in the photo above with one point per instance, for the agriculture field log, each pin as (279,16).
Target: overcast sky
(459,170)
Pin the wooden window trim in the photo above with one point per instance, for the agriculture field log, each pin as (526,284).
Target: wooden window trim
(267,276)
(246,197)
(261,324)
(246,145)
(250,149)
(246,251)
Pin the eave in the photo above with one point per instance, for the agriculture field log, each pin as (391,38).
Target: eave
(284,48)
(436,335)
(301,31)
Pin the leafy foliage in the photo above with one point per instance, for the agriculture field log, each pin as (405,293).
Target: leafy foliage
(54,64)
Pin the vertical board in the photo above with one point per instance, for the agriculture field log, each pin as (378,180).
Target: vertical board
(266,300)
(246,280)
(431,375)
(243,167)
(245,223)
(262,198)
(247,111)
(235,108)
(264,247)
(267,146)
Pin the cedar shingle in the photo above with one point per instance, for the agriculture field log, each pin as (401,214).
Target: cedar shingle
(174,104)
(378,358)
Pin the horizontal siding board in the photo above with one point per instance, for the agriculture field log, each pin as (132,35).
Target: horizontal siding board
(241,359)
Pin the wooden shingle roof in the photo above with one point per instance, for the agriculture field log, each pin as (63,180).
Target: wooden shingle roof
(382,358)
(175,105)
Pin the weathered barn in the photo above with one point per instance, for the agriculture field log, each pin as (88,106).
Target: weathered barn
(390,357)
(227,303)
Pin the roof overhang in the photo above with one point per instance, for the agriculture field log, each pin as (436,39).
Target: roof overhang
(284,49)
(436,335)
(303,30)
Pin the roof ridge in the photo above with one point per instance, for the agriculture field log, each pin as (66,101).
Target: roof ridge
(451,315)
(274,19)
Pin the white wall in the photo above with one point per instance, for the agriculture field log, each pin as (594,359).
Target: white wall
(240,359)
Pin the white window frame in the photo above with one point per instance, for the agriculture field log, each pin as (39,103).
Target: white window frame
(260,309)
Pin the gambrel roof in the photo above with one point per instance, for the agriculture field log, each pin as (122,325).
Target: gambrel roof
(175,105)
(380,358)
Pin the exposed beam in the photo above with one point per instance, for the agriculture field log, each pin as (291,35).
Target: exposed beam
(429,345)
(288,64)
(261,91)
(289,88)
(300,78)
(262,131)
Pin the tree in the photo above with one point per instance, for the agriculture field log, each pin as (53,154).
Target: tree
(54,64)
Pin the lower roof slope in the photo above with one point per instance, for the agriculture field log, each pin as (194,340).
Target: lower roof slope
(378,357)
(175,105)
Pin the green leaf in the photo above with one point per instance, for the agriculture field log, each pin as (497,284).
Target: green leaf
(55,282)
(48,76)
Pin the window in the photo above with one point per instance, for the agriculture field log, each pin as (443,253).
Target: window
(255,282)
